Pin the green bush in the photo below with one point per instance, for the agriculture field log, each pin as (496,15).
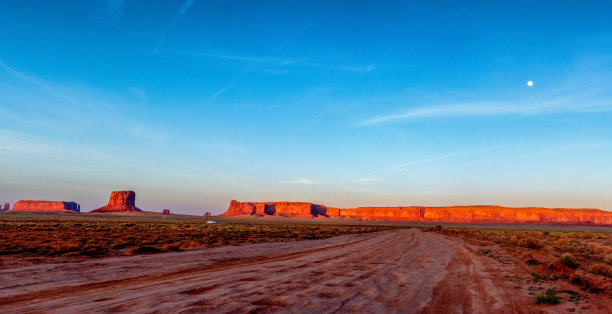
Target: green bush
(568,260)
(548,297)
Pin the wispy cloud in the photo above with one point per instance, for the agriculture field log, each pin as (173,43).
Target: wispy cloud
(38,103)
(405,166)
(182,10)
(311,122)
(302,181)
(569,97)
(280,62)
(219,92)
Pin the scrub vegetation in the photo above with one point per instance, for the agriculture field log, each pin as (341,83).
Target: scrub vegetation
(116,238)
(582,258)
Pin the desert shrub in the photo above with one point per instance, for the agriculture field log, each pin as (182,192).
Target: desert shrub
(601,250)
(587,235)
(563,240)
(601,269)
(592,246)
(545,232)
(608,258)
(568,260)
(531,243)
(547,297)
(534,233)
(513,239)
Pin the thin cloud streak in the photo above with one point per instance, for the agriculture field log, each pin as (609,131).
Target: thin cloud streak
(405,166)
(278,62)
(219,92)
(311,122)
(574,103)
(47,102)
(183,9)
(302,181)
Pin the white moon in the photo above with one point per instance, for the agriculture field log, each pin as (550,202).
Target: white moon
(530,83)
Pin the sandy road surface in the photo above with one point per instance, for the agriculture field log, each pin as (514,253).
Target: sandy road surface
(390,271)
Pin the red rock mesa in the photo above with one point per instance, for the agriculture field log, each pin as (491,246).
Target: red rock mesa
(120,201)
(295,209)
(6,207)
(46,206)
(462,214)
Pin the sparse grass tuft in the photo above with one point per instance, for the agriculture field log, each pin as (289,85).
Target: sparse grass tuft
(547,297)
(601,269)
(563,240)
(531,243)
(120,238)
(513,239)
(569,260)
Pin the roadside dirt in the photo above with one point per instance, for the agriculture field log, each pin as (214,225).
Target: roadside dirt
(404,270)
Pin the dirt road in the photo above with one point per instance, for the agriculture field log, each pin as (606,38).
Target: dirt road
(390,271)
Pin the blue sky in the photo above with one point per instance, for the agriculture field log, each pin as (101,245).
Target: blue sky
(194,103)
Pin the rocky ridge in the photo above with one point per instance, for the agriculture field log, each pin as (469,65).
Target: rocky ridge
(46,206)
(459,214)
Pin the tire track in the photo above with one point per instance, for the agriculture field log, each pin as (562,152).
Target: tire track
(398,271)
(84,289)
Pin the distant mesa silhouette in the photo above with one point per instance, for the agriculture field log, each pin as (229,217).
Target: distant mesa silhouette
(166,212)
(120,201)
(457,214)
(45,206)
(5,208)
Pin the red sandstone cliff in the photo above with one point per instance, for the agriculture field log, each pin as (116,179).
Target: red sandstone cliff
(46,206)
(462,214)
(120,201)
(293,209)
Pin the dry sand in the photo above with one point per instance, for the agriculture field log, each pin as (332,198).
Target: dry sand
(402,270)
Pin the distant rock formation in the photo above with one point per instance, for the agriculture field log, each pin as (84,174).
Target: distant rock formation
(166,211)
(293,209)
(460,214)
(45,206)
(5,208)
(120,201)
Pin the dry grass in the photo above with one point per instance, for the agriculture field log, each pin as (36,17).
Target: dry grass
(547,297)
(531,243)
(587,255)
(112,238)
(601,269)
(563,241)
(569,260)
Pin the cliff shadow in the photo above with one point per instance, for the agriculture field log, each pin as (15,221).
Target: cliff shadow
(270,209)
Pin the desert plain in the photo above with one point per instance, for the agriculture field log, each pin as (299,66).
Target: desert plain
(149,262)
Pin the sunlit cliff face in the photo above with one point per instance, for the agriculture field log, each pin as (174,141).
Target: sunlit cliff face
(464,214)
